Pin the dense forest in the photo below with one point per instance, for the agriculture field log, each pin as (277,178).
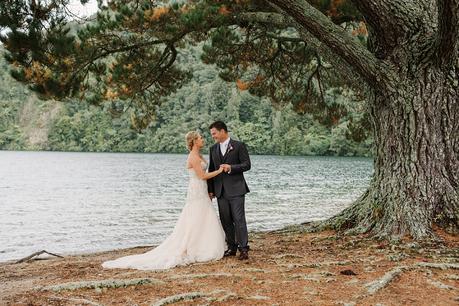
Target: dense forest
(29,123)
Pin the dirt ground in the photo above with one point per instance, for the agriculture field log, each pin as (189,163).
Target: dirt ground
(285,268)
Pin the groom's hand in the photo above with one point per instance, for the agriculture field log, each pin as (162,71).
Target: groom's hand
(226,168)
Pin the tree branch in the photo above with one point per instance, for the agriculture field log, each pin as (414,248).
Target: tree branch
(169,51)
(339,41)
(448,31)
(281,21)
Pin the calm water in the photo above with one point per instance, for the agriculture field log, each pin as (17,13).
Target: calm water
(81,202)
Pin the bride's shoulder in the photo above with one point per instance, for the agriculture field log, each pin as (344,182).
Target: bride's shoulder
(194,158)
(191,158)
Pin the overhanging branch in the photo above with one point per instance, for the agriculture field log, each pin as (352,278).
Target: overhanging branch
(346,72)
(339,41)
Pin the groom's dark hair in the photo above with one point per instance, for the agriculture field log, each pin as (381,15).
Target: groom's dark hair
(219,125)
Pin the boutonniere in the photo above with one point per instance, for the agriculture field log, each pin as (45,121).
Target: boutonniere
(230,148)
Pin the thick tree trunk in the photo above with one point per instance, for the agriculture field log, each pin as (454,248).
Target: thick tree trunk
(416,166)
(411,67)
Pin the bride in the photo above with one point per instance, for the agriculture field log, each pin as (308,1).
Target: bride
(198,234)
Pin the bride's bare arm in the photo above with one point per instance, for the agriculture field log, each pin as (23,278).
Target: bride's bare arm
(196,165)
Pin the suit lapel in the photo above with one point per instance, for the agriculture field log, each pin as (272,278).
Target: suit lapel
(227,150)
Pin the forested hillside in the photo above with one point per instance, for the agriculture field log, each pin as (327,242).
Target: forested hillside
(28,123)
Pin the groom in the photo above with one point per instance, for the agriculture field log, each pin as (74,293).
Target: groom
(230,187)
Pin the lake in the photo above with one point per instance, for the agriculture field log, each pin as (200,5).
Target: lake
(72,203)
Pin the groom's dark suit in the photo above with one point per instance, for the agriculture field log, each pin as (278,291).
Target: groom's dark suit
(230,189)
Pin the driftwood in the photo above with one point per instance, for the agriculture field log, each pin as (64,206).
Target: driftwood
(36,254)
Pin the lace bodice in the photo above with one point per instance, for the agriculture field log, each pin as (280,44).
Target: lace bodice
(197,187)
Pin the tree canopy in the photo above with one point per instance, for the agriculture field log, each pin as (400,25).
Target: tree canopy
(130,50)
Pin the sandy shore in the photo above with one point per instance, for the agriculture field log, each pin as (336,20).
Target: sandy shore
(285,267)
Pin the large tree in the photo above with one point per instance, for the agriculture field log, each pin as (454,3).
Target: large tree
(406,63)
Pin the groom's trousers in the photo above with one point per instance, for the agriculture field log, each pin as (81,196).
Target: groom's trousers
(232,216)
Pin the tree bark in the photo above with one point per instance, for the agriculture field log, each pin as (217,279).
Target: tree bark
(390,20)
(448,32)
(416,178)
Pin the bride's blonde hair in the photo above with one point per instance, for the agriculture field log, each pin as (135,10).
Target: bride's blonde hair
(191,138)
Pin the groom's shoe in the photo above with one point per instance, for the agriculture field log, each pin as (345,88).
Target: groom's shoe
(244,255)
(229,252)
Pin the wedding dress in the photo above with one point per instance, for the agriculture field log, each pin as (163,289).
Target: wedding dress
(198,235)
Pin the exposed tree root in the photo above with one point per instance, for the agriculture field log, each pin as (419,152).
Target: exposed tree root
(107,283)
(382,282)
(75,301)
(381,221)
(441,285)
(178,298)
(378,284)
(443,265)
(190,276)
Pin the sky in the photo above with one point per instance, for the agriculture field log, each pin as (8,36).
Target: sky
(76,8)
(88,9)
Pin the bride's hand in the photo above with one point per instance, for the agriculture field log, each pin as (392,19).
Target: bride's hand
(221,169)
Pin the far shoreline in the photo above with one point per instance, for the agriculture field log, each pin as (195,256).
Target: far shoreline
(185,153)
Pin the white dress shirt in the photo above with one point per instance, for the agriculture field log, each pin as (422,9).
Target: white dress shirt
(224,146)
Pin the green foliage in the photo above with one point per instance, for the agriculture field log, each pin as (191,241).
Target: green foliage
(113,126)
(11,137)
(92,129)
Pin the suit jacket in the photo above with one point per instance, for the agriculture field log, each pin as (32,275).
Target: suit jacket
(238,158)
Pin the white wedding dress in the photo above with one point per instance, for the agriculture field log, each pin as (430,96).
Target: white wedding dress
(198,235)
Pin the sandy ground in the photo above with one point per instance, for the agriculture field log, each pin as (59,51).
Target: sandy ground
(285,268)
